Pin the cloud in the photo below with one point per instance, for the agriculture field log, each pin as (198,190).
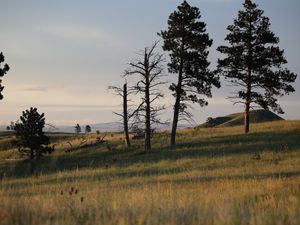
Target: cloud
(81,33)
(91,107)
(35,89)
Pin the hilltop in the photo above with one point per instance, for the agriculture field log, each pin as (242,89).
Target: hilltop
(237,119)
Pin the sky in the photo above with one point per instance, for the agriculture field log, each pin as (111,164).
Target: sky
(64,54)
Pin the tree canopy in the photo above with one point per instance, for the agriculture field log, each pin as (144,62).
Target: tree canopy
(187,42)
(3,71)
(254,62)
(30,135)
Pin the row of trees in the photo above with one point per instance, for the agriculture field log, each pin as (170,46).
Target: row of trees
(253,63)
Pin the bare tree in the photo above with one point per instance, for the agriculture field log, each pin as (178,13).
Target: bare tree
(148,67)
(126,115)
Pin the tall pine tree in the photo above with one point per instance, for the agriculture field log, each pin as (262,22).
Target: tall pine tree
(254,62)
(187,41)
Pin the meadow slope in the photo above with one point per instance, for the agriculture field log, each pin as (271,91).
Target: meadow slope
(215,176)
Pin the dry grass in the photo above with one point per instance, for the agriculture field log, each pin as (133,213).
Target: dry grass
(211,178)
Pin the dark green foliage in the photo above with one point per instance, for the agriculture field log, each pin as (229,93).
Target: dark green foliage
(187,41)
(29,134)
(254,62)
(77,129)
(3,71)
(12,125)
(210,122)
(88,129)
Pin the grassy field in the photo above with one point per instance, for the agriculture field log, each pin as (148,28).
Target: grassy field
(215,176)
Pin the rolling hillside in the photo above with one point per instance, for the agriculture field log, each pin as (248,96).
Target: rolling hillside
(237,119)
(214,176)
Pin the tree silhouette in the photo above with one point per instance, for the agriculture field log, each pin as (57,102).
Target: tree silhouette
(126,115)
(30,136)
(150,71)
(187,41)
(77,129)
(254,62)
(3,71)
(88,129)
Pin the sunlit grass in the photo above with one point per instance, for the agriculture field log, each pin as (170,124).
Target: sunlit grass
(212,177)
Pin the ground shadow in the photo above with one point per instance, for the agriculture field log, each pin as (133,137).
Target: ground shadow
(210,147)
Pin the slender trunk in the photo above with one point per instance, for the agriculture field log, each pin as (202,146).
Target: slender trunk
(249,81)
(32,161)
(175,119)
(148,109)
(177,105)
(247,104)
(247,118)
(125,116)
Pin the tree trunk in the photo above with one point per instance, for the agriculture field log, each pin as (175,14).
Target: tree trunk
(125,116)
(148,109)
(177,105)
(249,81)
(247,103)
(247,118)
(32,164)
(175,121)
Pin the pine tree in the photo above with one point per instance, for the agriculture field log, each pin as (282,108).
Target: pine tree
(88,129)
(3,71)
(77,129)
(254,62)
(30,136)
(187,41)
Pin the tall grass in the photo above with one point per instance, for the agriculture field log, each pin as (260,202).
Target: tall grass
(213,177)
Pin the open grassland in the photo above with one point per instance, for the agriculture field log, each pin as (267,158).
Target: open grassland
(215,176)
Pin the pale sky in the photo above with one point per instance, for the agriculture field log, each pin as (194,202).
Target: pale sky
(64,54)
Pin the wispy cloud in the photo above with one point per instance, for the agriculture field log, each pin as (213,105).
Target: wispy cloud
(76,106)
(35,89)
(82,33)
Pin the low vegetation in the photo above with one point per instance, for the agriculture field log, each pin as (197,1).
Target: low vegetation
(236,119)
(214,176)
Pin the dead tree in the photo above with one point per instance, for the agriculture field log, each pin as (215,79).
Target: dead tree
(84,144)
(126,115)
(149,70)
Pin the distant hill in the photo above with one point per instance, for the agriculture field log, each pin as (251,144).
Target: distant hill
(256,116)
